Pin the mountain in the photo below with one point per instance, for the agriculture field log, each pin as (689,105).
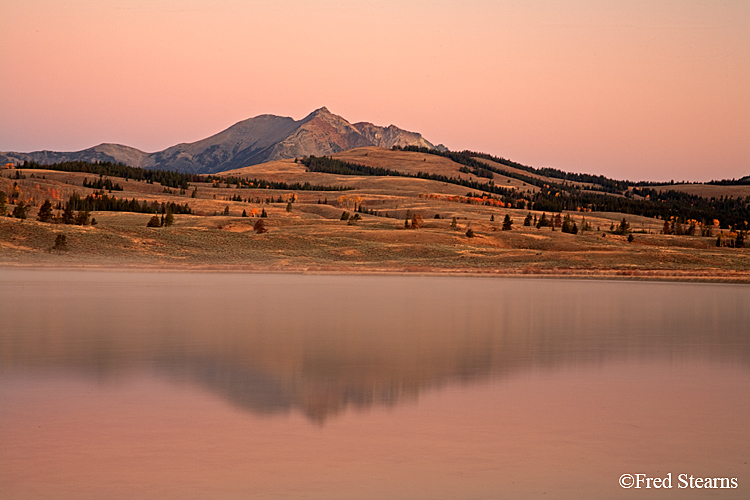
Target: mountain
(249,142)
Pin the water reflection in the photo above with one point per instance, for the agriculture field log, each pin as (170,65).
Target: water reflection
(320,344)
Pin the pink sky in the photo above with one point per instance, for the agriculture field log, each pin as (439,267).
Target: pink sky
(642,90)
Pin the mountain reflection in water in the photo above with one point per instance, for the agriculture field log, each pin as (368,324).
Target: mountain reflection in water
(320,344)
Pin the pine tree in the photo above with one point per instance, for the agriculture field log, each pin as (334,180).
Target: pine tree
(19,212)
(507,223)
(82,218)
(623,228)
(527,220)
(45,212)
(567,225)
(3,201)
(67,216)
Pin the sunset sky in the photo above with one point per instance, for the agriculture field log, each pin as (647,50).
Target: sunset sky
(639,89)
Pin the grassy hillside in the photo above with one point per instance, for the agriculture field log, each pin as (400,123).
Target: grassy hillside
(305,230)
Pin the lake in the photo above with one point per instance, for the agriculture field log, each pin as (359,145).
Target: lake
(201,385)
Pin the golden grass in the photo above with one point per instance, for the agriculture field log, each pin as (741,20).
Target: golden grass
(312,238)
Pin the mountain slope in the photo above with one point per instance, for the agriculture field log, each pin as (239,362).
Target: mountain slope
(249,142)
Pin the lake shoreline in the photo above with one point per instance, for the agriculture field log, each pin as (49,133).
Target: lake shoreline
(655,275)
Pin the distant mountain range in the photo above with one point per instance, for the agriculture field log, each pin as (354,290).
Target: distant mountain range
(249,142)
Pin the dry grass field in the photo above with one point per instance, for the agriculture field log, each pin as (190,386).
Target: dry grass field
(311,237)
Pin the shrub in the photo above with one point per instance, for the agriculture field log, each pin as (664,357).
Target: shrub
(61,244)
(260,227)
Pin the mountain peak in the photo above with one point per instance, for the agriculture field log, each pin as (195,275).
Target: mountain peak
(321,111)
(248,142)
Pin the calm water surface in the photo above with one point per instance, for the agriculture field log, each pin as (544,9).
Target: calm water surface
(190,385)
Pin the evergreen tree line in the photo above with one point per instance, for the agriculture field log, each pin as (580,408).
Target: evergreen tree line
(166,178)
(169,178)
(104,203)
(468,158)
(663,204)
(732,182)
(330,165)
(242,183)
(101,183)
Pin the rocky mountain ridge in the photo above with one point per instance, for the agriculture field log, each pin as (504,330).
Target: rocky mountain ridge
(249,142)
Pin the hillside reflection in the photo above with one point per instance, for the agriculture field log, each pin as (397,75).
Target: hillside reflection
(320,344)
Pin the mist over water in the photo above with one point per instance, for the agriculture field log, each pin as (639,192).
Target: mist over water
(278,385)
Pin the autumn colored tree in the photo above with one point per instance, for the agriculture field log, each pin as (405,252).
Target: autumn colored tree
(416,221)
(45,212)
